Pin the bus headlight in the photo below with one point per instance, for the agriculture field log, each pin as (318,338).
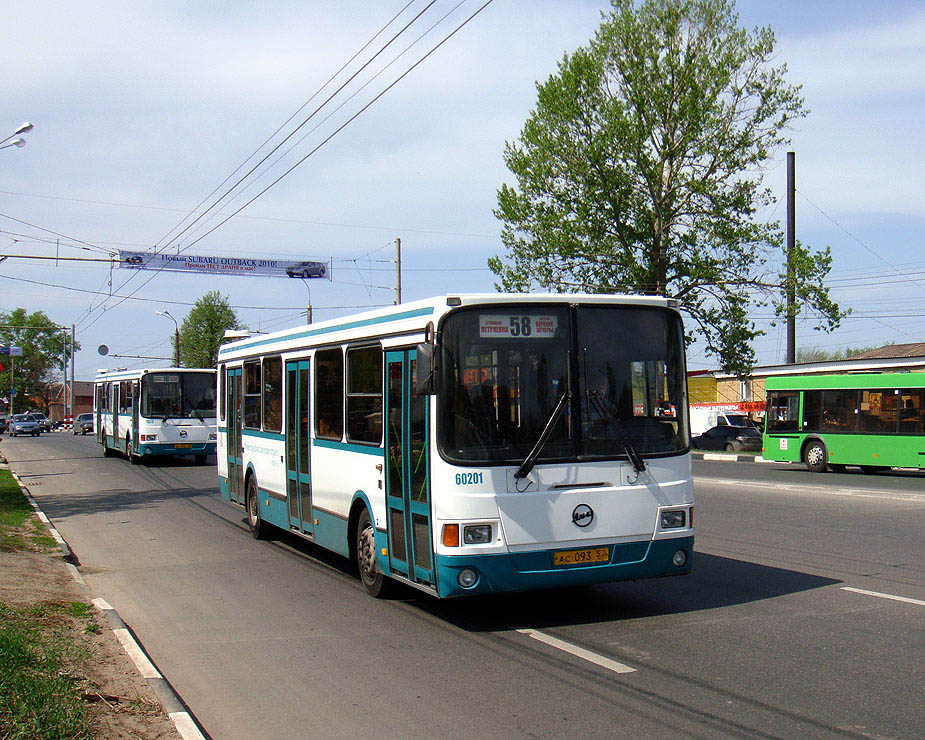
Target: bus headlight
(149,438)
(679,558)
(478,534)
(673,519)
(467,578)
(212,437)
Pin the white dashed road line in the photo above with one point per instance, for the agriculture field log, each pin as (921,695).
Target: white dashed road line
(891,597)
(578,652)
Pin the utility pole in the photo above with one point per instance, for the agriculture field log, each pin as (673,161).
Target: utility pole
(73,347)
(64,382)
(791,244)
(398,271)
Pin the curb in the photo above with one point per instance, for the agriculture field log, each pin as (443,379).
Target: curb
(725,457)
(171,702)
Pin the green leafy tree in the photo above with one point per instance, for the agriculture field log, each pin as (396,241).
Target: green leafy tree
(36,375)
(640,170)
(203,328)
(820,354)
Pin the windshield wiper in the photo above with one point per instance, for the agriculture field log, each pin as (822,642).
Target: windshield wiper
(530,460)
(622,437)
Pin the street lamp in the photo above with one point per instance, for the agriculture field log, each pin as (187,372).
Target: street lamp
(17,140)
(176,336)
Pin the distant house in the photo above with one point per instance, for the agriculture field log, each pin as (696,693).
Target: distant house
(59,406)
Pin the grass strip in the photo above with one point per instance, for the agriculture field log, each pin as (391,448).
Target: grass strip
(39,699)
(20,529)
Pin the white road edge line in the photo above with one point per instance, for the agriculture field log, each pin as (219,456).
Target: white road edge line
(600,660)
(145,667)
(904,599)
(185,726)
(101,604)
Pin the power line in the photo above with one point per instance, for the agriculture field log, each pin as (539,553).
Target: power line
(327,139)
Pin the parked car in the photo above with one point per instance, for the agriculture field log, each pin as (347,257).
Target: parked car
(24,424)
(731,439)
(83,424)
(306,269)
(43,421)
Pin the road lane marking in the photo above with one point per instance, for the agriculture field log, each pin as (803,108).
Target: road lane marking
(145,667)
(853,492)
(904,599)
(578,652)
(101,604)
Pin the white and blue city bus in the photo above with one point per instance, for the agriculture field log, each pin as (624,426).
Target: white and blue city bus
(469,444)
(160,411)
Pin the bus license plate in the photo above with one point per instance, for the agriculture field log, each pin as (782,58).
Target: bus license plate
(182,446)
(577,557)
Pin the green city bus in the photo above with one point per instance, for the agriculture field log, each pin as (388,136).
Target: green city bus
(875,421)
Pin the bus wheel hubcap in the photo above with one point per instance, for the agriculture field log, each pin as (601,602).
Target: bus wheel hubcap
(367,561)
(815,455)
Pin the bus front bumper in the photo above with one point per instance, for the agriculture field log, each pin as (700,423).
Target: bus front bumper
(166,448)
(534,570)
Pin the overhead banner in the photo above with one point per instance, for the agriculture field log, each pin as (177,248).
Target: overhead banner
(244,266)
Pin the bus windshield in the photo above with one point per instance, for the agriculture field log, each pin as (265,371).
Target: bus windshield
(506,368)
(178,394)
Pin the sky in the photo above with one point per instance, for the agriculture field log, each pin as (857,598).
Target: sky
(141,110)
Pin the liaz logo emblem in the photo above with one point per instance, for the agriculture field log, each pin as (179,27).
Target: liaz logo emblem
(582,515)
(183,434)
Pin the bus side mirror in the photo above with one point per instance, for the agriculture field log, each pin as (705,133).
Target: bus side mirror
(425,377)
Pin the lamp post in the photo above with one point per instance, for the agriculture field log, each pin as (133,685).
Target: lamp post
(176,336)
(14,139)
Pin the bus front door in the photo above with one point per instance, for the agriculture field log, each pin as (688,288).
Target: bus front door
(136,402)
(98,421)
(235,451)
(407,471)
(298,478)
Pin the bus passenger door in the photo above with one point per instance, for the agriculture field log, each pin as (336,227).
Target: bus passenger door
(136,402)
(234,449)
(298,479)
(116,399)
(98,421)
(407,471)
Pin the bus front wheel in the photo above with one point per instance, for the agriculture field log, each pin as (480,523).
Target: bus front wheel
(254,522)
(376,583)
(815,457)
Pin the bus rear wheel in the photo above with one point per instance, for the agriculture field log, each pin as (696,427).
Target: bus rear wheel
(815,457)
(377,584)
(132,458)
(254,523)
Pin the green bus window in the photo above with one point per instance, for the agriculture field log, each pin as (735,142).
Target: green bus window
(839,411)
(783,411)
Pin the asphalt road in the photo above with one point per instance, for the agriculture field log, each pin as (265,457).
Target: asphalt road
(277,639)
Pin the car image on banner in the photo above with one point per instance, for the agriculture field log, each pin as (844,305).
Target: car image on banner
(306,269)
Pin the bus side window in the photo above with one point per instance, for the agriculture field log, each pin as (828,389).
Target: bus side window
(329,393)
(252,395)
(273,394)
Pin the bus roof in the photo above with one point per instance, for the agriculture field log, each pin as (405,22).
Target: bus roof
(860,381)
(105,375)
(415,316)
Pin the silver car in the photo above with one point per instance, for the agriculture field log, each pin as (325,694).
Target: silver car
(24,424)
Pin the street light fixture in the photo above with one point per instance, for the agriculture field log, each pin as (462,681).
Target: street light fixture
(176,336)
(17,140)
